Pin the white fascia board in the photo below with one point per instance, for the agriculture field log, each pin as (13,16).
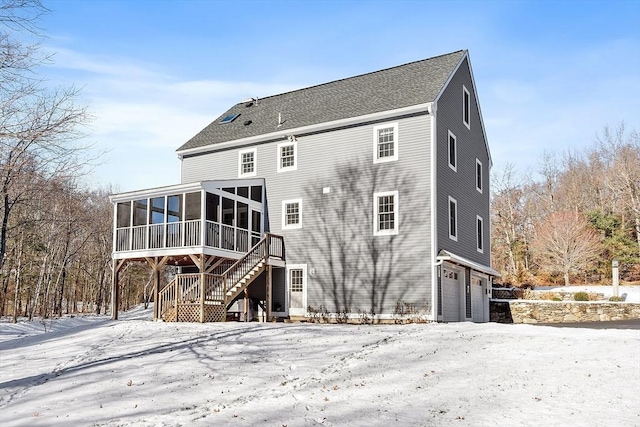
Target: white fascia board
(158,191)
(456,259)
(307,129)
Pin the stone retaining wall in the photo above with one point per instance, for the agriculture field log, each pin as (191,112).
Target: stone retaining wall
(540,311)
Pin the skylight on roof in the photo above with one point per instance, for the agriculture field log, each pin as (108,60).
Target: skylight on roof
(229,118)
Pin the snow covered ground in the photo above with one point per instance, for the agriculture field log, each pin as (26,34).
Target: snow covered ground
(91,371)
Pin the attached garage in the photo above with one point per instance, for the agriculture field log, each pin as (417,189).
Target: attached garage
(462,288)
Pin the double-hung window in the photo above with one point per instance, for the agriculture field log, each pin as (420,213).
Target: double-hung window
(287,156)
(479,175)
(247,163)
(466,107)
(480,233)
(385,143)
(453,151)
(291,214)
(453,218)
(385,213)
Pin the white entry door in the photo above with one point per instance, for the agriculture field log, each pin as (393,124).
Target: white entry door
(297,286)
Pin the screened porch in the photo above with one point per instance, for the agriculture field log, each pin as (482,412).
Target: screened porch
(215,217)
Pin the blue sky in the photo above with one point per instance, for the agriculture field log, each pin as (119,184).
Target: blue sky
(550,74)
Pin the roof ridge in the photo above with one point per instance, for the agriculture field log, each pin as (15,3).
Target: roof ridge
(356,76)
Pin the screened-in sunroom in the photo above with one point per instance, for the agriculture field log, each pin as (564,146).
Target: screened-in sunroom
(216,236)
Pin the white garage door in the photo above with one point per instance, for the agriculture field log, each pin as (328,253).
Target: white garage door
(450,295)
(477,300)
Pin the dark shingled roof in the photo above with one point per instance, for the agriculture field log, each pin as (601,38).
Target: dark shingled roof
(402,86)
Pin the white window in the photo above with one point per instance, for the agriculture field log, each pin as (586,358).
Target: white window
(291,214)
(385,143)
(480,233)
(247,163)
(466,107)
(385,213)
(296,280)
(453,219)
(479,175)
(287,156)
(453,151)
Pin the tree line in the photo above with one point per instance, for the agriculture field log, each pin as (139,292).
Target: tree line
(580,212)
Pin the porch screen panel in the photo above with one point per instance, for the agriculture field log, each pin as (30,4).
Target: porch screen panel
(140,212)
(213,204)
(212,214)
(256,193)
(243,215)
(124,215)
(192,206)
(157,210)
(243,191)
(174,208)
(228,221)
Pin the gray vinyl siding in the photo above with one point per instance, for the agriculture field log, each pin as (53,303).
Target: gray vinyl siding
(461,184)
(343,161)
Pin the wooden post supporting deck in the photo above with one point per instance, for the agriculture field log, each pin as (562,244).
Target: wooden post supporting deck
(268,294)
(115,293)
(156,265)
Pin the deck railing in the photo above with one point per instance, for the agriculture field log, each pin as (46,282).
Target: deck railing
(181,234)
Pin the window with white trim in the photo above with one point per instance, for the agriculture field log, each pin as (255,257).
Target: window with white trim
(466,107)
(291,214)
(296,280)
(385,143)
(247,162)
(480,233)
(453,151)
(453,218)
(385,213)
(479,175)
(287,156)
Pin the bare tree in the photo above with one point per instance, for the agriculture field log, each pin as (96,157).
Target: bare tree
(566,242)
(39,126)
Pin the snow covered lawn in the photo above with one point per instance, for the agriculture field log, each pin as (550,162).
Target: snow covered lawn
(91,371)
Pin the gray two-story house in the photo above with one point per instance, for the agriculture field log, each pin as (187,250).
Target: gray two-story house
(361,198)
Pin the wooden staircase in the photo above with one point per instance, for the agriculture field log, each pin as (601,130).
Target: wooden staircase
(204,297)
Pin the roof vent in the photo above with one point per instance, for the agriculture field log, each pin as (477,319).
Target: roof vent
(247,122)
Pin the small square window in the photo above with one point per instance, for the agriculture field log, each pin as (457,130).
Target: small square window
(385,216)
(453,219)
(385,143)
(466,107)
(453,151)
(479,175)
(291,214)
(247,163)
(287,156)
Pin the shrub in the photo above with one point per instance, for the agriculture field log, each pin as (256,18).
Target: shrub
(581,296)
(556,299)
(616,299)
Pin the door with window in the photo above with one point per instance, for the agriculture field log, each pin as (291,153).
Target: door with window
(297,286)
